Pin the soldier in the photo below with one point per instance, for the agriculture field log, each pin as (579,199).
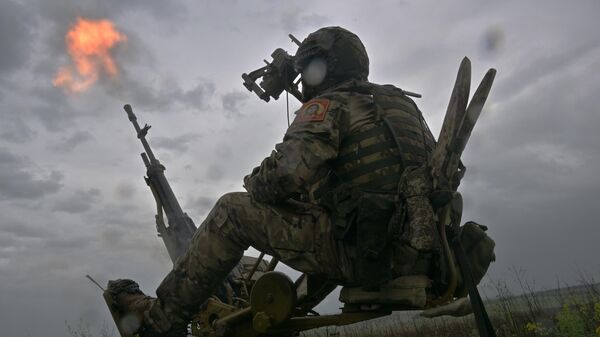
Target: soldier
(327,200)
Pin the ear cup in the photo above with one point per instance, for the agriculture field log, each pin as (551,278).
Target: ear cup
(314,73)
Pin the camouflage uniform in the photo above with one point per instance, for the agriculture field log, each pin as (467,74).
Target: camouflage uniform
(294,208)
(270,218)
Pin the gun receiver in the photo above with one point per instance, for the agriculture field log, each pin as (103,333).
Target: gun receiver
(181,228)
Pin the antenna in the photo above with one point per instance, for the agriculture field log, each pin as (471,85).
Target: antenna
(295,40)
(94,282)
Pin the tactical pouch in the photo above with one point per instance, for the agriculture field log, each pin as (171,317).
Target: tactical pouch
(362,221)
(373,236)
(419,226)
(373,224)
(479,249)
(342,203)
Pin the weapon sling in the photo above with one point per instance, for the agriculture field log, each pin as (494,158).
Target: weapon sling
(484,325)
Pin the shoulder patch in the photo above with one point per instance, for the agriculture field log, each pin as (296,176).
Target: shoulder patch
(314,110)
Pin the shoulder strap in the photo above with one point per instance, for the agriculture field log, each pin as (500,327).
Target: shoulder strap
(368,88)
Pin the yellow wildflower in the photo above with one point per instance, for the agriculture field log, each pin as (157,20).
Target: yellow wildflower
(531,327)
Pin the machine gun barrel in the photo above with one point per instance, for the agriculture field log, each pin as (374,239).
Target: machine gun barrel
(181,228)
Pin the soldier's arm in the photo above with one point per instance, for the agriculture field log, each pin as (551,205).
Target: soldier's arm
(302,158)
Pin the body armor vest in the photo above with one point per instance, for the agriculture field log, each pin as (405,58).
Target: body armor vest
(363,186)
(374,157)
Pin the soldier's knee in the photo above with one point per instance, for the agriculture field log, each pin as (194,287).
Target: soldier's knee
(218,220)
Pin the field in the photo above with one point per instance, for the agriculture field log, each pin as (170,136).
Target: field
(562,312)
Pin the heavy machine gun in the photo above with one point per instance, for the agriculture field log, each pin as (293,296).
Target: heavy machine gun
(177,232)
(181,227)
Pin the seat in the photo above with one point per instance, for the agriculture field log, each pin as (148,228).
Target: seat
(402,293)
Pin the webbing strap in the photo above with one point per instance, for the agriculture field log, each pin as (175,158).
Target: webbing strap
(391,102)
(410,133)
(414,150)
(402,121)
(366,151)
(378,182)
(368,168)
(484,325)
(373,132)
(391,128)
(324,188)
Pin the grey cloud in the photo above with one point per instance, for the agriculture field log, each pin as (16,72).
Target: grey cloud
(64,10)
(550,127)
(219,166)
(232,102)
(197,97)
(201,204)
(67,244)
(292,19)
(16,31)
(79,202)
(124,240)
(22,229)
(52,108)
(215,172)
(67,144)
(14,129)
(224,151)
(6,248)
(6,241)
(125,190)
(21,179)
(537,69)
(164,95)
(177,144)
(134,54)
(126,227)
(140,84)
(123,214)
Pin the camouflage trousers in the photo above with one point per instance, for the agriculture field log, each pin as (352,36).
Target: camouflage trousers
(298,234)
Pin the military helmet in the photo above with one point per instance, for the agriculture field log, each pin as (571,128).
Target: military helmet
(343,51)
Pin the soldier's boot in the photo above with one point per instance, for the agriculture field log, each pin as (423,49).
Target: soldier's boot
(214,251)
(137,313)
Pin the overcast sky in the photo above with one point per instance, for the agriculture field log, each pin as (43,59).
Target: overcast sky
(72,198)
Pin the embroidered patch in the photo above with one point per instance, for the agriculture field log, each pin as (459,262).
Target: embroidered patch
(313,111)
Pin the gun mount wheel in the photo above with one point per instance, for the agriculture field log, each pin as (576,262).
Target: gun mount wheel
(273,300)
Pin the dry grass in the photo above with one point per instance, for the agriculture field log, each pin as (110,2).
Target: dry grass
(563,312)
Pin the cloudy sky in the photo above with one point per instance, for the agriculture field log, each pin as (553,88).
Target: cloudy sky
(72,198)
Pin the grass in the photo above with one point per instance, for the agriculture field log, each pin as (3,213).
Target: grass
(83,330)
(562,312)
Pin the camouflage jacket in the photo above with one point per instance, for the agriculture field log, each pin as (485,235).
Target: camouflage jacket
(341,131)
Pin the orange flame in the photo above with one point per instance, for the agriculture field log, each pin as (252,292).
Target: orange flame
(89,43)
